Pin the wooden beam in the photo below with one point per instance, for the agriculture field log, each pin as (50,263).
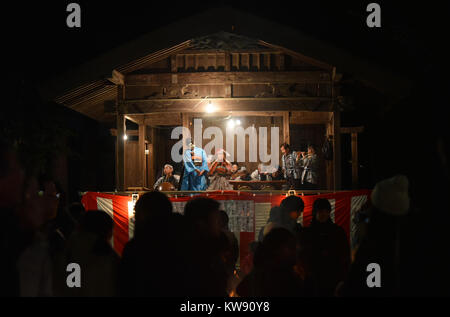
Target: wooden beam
(142,155)
(302,57)
(230,77)
(310,117)
(117,78)
(136,119)
(164,119)
(352,129)
(214,90)
(245,113)
(228,104)
(113,132)
(355,163)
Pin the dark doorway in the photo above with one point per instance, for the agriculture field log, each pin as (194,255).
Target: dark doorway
(163,150)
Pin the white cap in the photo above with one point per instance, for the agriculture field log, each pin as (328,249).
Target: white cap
(391,196)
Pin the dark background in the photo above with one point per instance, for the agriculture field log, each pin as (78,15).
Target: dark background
(37,45)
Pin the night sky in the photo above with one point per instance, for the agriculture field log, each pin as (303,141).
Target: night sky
(39,39)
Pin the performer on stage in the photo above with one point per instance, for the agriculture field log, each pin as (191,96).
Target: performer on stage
(167,178)
(239,174)
(195,169)
(263,173)
(309,162)
(234,170)
(289,166)
(220,172)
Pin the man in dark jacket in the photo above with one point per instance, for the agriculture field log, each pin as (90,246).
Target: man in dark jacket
(326,251)
(284,216)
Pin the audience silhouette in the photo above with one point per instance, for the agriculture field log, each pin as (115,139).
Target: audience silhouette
(194,254)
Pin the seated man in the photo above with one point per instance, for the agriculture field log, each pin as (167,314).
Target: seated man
(238,174)
(234,170)
(261,174)
(167,178)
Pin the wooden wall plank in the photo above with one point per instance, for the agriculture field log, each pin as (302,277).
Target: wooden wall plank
(142,155)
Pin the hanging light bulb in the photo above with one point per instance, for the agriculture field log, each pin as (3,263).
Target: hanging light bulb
(125,137)
(210,108)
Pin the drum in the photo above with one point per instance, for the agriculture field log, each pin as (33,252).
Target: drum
(166,186)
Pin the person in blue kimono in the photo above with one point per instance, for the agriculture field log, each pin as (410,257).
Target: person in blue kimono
(195,169)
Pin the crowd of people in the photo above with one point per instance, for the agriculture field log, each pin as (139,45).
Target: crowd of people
(194,254)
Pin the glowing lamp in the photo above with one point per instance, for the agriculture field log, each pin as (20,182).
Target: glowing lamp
(210,108)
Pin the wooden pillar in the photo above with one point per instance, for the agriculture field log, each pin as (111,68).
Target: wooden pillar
(286,136)
(329,163)
(355,163)
(337,148)
(353,131)
(142,155)
(185,119)
(152,157)
(120,142)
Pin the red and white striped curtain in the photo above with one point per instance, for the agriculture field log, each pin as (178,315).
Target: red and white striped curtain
(247,212)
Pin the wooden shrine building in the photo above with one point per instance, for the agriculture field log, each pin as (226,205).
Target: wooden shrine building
(170,77)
